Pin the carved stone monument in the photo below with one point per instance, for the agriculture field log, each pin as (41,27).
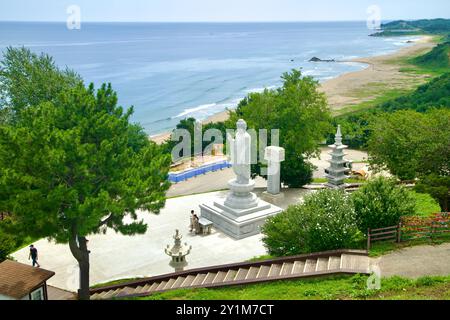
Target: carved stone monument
(336,173)
(274,156)
(241,213)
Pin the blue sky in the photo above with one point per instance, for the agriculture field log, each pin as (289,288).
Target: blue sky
(220,10)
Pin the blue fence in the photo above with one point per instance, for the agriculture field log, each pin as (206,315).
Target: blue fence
(192,173)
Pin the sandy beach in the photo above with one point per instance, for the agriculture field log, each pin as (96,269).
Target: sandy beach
(355,87)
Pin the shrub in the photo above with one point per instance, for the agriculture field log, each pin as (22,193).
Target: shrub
(380,203)
(325,221)
(8,244)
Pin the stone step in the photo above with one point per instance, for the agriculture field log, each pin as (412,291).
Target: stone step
(199,279)
(161,286)
(101,295)
(241,274)
(263,272)
(310,265)
(354,262)
(252,273)
(286,269)
(231,274)
(178,282)
(322,264)
(274,270)
(169,284)
(334,263)
(209,278)
(125,292)
(299,266)
(188,281)
(138,289)
(154,286)
(219,277)
(145,288)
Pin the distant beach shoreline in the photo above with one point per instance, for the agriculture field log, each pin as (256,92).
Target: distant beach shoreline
(341,90)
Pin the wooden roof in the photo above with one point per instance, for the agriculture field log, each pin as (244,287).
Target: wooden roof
(18,279)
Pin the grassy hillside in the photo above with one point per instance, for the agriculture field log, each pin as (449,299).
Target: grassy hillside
(424,26)
(342,288)
(438,58)
(434,94)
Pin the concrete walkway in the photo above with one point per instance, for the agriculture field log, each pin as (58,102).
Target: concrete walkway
(415,262)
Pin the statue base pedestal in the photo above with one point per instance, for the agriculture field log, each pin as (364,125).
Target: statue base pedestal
(238,223)
(275,199)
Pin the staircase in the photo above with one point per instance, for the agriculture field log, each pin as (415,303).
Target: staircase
(303,266)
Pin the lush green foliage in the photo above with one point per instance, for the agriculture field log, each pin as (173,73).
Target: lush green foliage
(355,126)
(411,144)
(325,221)
(28,79)
(301,114)
(402,27)
(332,288)
(189,125)
(434,94)
(8,243)
(72,164)
(381,203)
(439,57)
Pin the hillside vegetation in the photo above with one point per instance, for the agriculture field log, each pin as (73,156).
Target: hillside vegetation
(424,26)
(434,94)
(438,58)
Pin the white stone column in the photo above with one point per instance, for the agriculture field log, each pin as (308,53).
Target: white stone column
(274,156)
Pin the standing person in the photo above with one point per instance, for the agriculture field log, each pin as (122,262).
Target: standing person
(34,256)
(196,224)
(191,226)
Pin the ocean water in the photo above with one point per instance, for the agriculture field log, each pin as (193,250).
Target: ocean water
(170,71)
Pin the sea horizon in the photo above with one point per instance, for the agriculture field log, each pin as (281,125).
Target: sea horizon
(203,68)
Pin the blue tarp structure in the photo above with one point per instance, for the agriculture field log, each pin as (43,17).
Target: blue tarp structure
(192,173)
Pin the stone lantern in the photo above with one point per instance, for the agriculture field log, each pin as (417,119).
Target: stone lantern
(178,253)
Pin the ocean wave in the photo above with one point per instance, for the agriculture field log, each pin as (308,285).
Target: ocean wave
(195,109)
(259,90)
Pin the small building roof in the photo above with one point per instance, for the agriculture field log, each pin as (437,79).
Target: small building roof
(18,279)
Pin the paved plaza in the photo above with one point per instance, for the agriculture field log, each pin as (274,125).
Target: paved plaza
(114,256)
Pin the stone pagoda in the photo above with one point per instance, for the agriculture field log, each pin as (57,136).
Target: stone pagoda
(178,253)
(241,213)
(336,173)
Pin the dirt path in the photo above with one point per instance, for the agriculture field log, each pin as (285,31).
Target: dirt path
(414,262)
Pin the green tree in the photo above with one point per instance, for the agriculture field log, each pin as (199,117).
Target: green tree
(28,79)
(411,144)
(381,203)
(325,221)
(415,145)
(301,114)
(75,166)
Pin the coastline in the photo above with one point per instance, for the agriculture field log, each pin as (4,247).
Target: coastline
(345,90)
